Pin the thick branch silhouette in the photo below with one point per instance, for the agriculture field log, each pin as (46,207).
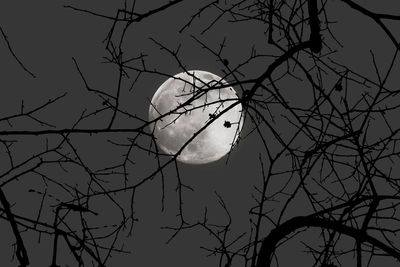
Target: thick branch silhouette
(22,254)
(270,243)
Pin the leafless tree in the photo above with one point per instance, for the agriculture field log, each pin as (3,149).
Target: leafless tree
(331,153)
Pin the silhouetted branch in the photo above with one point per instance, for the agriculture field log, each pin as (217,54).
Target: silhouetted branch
(377,18)
(326,135)
(22,254)
(14,55)
(315,36)
(269,244)
(72,131)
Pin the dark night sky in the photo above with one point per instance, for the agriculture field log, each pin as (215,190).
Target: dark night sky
(46,36)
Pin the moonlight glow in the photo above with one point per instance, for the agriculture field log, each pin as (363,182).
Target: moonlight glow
(211,95)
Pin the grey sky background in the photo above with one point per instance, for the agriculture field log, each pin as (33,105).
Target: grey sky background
(45,36)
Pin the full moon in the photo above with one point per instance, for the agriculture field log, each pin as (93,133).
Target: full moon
(188,101)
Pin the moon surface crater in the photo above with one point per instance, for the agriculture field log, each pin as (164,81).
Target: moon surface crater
(187,102)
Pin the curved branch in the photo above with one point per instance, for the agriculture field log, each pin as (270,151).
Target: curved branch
(270,242)
(377,18)
(14,55)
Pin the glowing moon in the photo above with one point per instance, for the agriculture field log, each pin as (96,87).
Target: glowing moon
(211,95)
